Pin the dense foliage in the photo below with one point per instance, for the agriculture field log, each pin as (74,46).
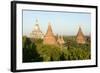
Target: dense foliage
(36,51)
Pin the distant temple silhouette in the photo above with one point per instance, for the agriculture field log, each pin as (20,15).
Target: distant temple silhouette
(80,38)
(37,33)
(60,40)
(49,37)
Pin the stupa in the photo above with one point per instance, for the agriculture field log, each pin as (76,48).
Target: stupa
(49,37)
(60,40)
(80,38)
(37,33)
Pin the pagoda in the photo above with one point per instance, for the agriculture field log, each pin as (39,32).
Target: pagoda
(37,33)
(80,38)
(60,40)
(49,37)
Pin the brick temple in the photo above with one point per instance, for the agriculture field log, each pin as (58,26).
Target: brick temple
(49,37)
(80,38)
(60,40)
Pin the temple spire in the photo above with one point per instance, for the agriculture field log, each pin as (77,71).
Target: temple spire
(36,32)
(60,40)
(80,33)
(49,30)
(80,38)
(49,37)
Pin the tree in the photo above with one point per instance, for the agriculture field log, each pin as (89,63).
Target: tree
(29,51)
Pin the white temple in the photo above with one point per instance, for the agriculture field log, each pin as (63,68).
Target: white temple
(36,33)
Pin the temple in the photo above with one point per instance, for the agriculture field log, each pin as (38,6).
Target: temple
(80,38)
(60,40)
(49,37)
(37,33)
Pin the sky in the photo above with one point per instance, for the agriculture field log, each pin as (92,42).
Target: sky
(62,23)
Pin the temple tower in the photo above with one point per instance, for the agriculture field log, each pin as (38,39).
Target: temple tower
(60,40)
(37,33)
(80,38)
(49,37)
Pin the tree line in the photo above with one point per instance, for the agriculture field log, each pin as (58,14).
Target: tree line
(35,51)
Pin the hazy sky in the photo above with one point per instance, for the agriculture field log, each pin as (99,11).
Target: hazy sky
(63,23)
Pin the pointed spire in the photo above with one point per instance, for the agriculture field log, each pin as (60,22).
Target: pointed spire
(80,30)
(36,27)
(80,33)
(80,38)
(62,40)
(37,23)
(49,27)
(49,30)
(49,37)
(37,33)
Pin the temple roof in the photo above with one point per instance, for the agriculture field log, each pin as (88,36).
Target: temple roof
(80,38)
(49,30)
(49,37)
(36,32)
(80,33)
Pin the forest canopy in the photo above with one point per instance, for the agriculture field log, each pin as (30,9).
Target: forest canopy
(35,51)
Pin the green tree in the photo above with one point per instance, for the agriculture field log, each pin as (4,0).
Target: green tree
(29,51)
